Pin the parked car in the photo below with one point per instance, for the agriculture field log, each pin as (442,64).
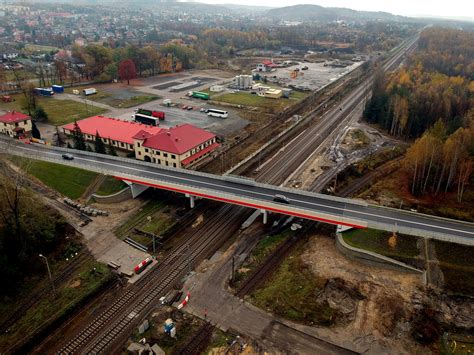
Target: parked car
(67,156)
(189,108)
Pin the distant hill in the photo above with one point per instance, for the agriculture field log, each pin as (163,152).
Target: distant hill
(325,14)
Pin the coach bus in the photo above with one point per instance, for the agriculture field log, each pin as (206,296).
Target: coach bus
(217,113)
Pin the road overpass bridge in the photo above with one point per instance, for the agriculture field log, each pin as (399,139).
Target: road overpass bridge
(245,192)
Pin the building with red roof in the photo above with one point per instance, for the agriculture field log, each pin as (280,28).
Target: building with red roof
(15,124)
(178,146)
(266,66)
(113,131)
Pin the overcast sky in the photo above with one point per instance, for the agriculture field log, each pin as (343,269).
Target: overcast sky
(460,8)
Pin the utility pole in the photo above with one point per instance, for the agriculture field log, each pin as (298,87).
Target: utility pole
(49,272)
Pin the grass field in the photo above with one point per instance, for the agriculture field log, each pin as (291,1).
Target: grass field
(457,264)
(291,291)
(247,99)
(110,186)
(69,181)
(147,210)
(40,48)
(404,249)
(47,309)
(59,112)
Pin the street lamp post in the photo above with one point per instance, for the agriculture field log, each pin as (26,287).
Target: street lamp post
(49,272)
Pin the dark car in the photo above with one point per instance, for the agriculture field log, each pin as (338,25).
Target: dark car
(67,156)
(281,199)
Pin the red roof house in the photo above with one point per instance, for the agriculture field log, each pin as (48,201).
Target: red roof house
(186,143)
(112,128)
(14,117)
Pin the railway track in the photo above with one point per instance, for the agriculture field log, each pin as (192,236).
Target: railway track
(135,303)
(197,343)
(104,332)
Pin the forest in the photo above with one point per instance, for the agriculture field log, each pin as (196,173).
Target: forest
(430,100)
(26,230)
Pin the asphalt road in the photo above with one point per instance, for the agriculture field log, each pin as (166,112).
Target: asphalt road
(255,195)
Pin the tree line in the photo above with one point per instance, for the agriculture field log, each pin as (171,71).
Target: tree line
(430,99)
(409,101)
(26,229)
(439,163)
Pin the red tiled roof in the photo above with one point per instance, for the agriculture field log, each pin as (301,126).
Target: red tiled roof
(192,158)
(178,140)
(269,63)
(142,135)
(113,128)
(12,117)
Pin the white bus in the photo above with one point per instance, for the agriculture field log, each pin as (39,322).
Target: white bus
(217,113)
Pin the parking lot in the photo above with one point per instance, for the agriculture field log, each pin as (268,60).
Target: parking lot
(316,76)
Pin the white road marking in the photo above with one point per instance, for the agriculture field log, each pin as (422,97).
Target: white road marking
(263,194)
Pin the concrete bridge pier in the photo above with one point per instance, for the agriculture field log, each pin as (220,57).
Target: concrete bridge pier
(265,216)
(137,189)
(191,200)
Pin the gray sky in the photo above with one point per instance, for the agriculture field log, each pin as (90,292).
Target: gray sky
(460,8)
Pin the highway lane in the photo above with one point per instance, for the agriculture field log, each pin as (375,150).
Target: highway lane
(256,195)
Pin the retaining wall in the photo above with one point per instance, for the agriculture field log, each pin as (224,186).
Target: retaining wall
(120,196)
(373,259)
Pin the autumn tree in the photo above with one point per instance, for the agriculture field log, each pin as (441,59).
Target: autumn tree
(127,70)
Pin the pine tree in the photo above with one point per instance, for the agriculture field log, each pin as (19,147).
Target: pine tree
(99,144)
(35,131)
(112,150)
(88,148)
(78,138)
(39,114)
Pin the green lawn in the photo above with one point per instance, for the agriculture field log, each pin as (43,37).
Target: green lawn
(405,249)
(48,309)
(247,99)
(69,181)
(59,112)
(457,264)
(110,186)
(290,293)
(147,210)
(41,48)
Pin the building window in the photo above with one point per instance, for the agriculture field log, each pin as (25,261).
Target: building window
(174,165)
(122,144)
(173,156)
(146,150)
(159,161)
(166,156)
(166,163)
(139,153)
(138,144)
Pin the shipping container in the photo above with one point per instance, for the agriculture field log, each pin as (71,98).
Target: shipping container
(89,91)
(201,95)
(58,89)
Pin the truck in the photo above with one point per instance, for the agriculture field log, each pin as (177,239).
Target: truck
(44,91)
(200,95)
(89,91)
(145,119)
(157,114)
(58,89)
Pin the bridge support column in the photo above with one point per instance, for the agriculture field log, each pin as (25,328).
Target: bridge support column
(191,200)
(137,189)
(265,216)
